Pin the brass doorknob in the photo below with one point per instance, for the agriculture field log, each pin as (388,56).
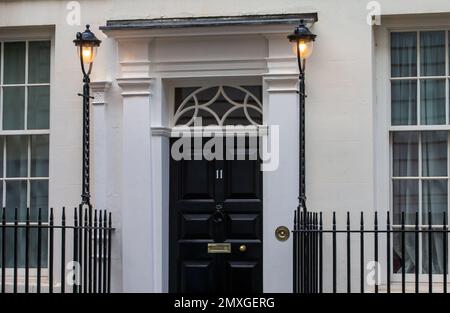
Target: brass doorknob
(282,233)
(243,248)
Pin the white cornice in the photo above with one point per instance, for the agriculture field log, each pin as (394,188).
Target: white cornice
(193,31)
(27,32)
(161,131)
(260,130)
(135,86)
(100,85)
(283,82)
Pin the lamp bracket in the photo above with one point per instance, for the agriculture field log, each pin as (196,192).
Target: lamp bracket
(89,97)
(308,21)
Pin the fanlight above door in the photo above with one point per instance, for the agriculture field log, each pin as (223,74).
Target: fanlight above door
(218,105)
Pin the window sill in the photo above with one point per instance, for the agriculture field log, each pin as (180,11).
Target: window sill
(32,285)
(410,287)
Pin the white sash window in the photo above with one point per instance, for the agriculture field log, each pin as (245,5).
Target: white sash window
(419,140)
(24,139)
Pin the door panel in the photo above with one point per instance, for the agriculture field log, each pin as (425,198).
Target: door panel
(195,226)
(197,276)
(243,179)
(196,181)
(244,226)
(217,201)
(243,275)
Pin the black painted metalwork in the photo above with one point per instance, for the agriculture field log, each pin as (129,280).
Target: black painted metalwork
(430,254)
(334,253)
(108,289)
(300,34)
(86,41)
(63,250)
(349,280)
(85,252)
(361,253)
(376,250)
(388,252)
(444,249)
(105,252)
(51,230)
(315,274)
(416,253)
(15,251)
(100,253)
(39,251)
(94,278)
(3,250)
(75,254)
(27,252)
(40,232)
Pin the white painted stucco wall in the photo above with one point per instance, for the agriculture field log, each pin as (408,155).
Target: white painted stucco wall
(340,83)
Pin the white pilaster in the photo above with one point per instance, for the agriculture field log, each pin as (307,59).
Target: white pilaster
(280,109)
(99,149)
(137,219)
(160,186)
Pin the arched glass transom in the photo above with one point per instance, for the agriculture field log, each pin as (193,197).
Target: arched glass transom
(218,105)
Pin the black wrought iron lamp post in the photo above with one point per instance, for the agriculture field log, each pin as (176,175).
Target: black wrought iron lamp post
(302,40)
(87,45)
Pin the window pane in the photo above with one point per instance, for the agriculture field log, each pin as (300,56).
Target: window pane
(14,60)
(404,54)
(434,199)
(434,153)
(405,154)
(34,248)
(405,199)
(432,53)
(16,197)
(39,155)
(13,108)
(38,107)
(39,199)
(16,156)
(436,253)
(432,101)
(39,62)
(409,256)
(404,102)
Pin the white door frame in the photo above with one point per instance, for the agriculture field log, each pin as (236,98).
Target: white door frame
(150,63)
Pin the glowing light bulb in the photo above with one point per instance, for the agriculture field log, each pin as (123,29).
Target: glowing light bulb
(304,48)
(87,54)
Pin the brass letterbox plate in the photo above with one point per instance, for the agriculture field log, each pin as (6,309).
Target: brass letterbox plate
(219,248)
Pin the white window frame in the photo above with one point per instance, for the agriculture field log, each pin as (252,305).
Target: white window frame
(169,90)
(382,118)
(19,35)
(206,106)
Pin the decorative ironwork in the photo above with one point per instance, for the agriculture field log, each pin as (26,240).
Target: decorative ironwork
(317,246)
(249,102)
(89,234)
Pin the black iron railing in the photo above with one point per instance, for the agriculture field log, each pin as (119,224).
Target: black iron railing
(39,254)
(325,260)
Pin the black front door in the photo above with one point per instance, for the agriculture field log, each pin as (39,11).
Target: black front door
(216,224)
